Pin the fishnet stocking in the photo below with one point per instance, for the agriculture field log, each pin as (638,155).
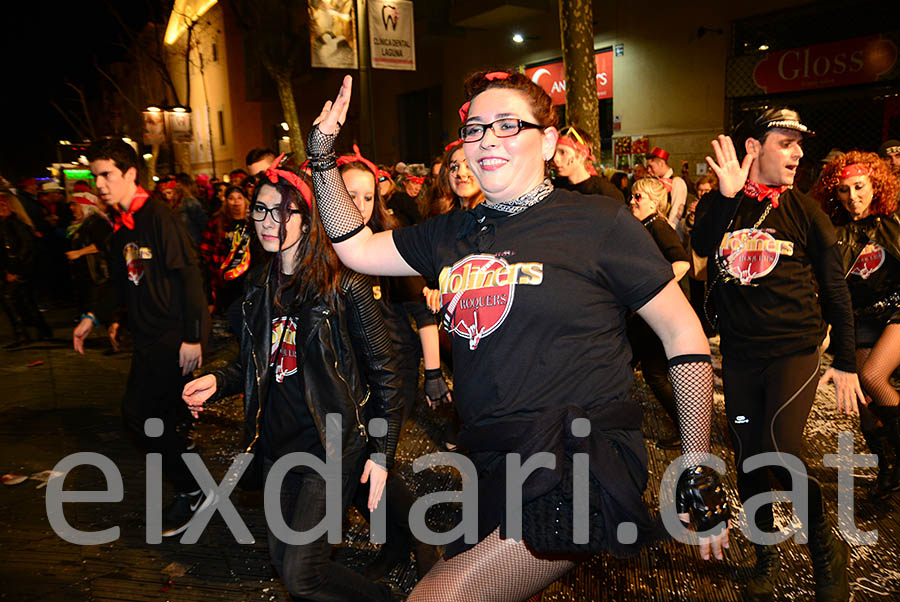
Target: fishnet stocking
(339,215)
(495,570)
(879,365)
(692,382)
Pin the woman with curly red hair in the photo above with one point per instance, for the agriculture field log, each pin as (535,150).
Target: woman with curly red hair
(859,192)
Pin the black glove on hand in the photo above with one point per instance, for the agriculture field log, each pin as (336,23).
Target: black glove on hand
(700,494)
(436,390)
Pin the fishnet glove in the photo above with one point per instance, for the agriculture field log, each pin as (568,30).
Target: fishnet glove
(436,390)
(692,382)
(339,215)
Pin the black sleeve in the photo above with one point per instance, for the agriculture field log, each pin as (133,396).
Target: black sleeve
(373,344)
(194,303)
(630,263)
(668,242)
(834,296)
(714,213)
(113,308)
(415,244)
(229,379)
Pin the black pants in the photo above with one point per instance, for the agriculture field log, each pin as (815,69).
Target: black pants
(308,570)
(767,403)
(154,391)
(21,307)
(648,350)
(407,351)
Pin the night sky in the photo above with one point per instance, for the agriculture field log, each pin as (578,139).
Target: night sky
(46,44)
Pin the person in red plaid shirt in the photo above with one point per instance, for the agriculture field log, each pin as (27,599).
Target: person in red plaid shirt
(225,249)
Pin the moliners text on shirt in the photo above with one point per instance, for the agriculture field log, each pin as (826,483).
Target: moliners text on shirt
(477,293)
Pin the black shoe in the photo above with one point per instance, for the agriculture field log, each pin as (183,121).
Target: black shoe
(389,556)
(672,442)
(177,516)
(426,557)
(765,573)
(829,557)
(888,480)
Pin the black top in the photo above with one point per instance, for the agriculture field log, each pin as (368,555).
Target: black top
(784,280)
(593,185)
(287,424)
(156,270)
(536,301)
(666,238)
(404,208)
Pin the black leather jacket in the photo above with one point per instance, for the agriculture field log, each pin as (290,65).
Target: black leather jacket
(854,236)
(346,358)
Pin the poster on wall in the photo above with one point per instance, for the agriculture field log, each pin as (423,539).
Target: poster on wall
(391,35)
(180,126)
(332,34)
(154,130)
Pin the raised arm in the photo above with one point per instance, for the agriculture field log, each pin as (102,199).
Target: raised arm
(356,245)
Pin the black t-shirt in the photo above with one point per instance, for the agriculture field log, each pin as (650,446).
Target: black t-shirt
(536,301)
(770,305)
(874,275)
(666,238)
(593,185)
(287,424)
(149,263)
(404,208)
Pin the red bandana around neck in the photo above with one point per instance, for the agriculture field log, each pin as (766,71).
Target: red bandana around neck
(761,192)
(667,182)
(126,218)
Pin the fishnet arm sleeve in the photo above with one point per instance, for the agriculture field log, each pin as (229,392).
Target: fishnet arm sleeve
(339,215)
(692,382)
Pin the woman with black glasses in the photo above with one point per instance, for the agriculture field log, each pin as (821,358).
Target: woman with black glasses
(535,284)
(313,346)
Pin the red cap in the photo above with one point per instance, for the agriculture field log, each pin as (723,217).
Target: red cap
(658,153)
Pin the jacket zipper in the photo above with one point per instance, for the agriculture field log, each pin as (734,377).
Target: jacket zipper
(256,373)
(359,424)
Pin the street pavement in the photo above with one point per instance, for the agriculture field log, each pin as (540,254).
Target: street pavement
(54,402)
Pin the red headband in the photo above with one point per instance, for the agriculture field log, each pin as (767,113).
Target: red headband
(464,111)
(857,169)
(456,142)
(357,157)
(167,185)
(273,173)
(496,75)
(415,179)
(574,144)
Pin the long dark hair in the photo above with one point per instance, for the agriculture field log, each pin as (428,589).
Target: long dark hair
(318,272)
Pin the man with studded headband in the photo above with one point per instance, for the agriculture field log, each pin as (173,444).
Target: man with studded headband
(777,280)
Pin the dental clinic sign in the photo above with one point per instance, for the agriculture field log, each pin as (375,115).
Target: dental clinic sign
(552,77)
(392,38)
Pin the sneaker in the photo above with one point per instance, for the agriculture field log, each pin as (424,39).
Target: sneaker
(177,516)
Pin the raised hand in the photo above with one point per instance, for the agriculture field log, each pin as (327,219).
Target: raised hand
(732,175)
(334,113)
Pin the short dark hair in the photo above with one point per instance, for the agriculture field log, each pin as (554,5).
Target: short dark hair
(116,150)
(258,154)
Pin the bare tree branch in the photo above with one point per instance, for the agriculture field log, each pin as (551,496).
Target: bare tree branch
(116,86)
(65,116)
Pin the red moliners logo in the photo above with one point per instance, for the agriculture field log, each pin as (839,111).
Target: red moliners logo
(133,262)
(868,262)
(284,347)
(477,293)
(751,253)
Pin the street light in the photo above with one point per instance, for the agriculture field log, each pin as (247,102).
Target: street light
(284,126)
(518,38)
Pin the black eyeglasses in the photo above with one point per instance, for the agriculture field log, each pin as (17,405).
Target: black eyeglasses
(502,128)
(259,211)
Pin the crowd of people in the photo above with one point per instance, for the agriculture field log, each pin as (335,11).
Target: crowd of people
(537,279)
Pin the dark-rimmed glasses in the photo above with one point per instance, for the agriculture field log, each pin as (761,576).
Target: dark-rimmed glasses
(259,211)
(502,128)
